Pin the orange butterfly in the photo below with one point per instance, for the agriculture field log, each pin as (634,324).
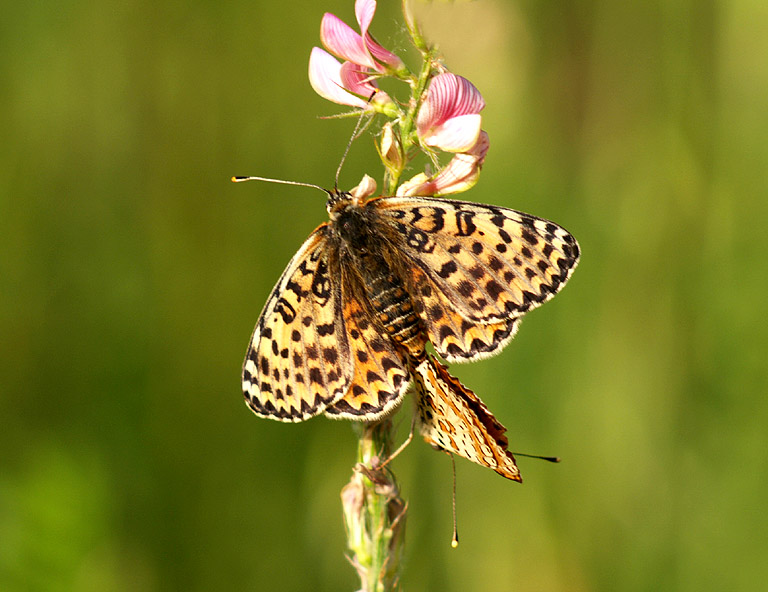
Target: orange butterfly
(345,328)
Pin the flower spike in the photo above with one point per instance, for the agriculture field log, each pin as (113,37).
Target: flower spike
(441,115)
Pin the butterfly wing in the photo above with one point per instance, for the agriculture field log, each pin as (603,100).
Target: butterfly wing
(454,419)
(489,265)
(380,377)
(298,361)
(454,337)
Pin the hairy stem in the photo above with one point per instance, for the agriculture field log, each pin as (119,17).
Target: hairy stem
(374,513)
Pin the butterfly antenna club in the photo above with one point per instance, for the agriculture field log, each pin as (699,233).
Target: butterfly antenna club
(552,459)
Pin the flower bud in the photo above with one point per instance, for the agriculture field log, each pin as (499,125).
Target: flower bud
(391,151)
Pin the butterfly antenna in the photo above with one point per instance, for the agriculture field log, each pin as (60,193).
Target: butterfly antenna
(455,538)
(355,134)
(552,459)
(281,181)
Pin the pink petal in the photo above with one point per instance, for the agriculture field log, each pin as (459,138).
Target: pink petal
(357,80)
(458,134)
(342,41)
(481,148)
(463,171)
(418,185)
(364,11)
(448,96)
(366,188)
(382,55)
(325,78)
(460,174)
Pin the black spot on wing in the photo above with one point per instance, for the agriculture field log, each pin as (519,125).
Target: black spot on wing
(448,268)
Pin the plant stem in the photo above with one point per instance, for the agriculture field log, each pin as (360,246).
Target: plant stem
(374,513)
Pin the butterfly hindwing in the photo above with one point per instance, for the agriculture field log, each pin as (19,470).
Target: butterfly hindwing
(454,337)
(298,361)
(380,378)
(454,419)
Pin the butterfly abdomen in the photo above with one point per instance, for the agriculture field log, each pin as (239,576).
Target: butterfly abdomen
(394,310)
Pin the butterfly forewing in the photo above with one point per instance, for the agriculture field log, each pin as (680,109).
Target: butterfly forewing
(490,263)
(298,360)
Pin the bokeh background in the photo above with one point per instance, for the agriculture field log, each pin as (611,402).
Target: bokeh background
(132,273)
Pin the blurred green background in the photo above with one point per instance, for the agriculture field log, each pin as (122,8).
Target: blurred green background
(132,272)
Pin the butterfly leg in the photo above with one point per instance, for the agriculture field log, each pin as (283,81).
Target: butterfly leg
(402,446)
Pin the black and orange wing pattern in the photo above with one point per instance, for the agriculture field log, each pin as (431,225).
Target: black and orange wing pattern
(316,347)
(472,271)
(380,377)
(454,419)
(298,361)
(486,265)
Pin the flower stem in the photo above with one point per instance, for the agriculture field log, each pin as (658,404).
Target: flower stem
(374,513)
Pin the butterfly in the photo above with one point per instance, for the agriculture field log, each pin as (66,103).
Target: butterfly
(345,329)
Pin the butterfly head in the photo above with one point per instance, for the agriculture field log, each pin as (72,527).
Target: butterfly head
(338,201)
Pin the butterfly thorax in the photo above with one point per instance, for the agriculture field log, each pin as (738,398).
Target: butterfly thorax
(389,299)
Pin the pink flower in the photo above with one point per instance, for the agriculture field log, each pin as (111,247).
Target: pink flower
(361,49)
(458,175)
(449,117)
(351,83)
